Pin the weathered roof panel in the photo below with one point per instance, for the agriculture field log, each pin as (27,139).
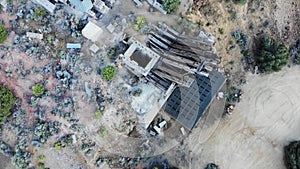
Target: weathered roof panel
(187,104)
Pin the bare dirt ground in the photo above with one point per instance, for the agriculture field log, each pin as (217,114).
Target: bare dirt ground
(264,122)
(286,14)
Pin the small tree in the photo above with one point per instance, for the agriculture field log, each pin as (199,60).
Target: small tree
(7,99)
(140,22)
(38,90)
(108,72)
(171,6)
(272,56)
(3,33)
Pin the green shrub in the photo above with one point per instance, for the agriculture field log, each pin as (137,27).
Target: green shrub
(297,60)
(241,2)
(221,31)
(292,155)
(140,22)
(171,6)
(112,52)
(108,72)
(7,99)
(39,13)
(41,165)
(38,90)
(42,158)
(3,33)
(98,114)
(57,145)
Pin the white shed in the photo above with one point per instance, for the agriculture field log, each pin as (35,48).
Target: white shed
(92,31)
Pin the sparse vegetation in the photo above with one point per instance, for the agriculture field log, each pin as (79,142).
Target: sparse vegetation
(41,165)
(64,141)
(271,56)
(103,132)
(111,53)
(241,2)
(98,114)
(43,131)
(21,159)
(211,166)
(140,22)
(42,158)
(39,13)
(221,31)
(171,6)
(137,92)
(292,155)
(38,90)
(242,40)
(296,53)
(108,72)
(297,60)
(7,99)
(233,15)
(3,33)
(57,145)
(207,10)
(234,95)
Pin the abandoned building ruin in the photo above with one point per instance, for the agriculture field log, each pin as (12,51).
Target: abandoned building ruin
(180,74)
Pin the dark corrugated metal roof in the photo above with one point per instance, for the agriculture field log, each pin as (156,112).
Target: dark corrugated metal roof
(188,104)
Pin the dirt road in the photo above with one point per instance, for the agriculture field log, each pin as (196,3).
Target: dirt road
(266,120)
